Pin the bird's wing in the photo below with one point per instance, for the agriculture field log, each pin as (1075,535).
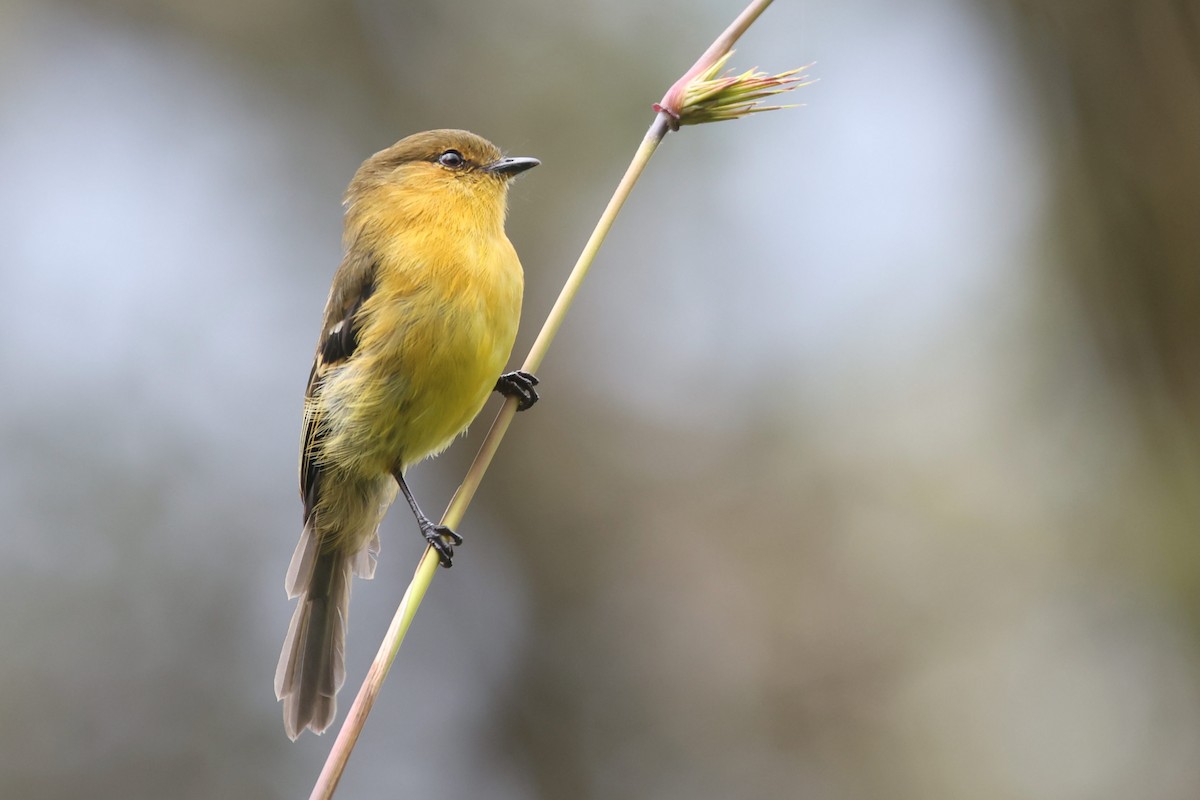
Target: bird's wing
(354,283)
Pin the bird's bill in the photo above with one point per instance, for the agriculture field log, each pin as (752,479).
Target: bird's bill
(511,166)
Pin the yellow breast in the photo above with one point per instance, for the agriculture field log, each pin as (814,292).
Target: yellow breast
(434,337)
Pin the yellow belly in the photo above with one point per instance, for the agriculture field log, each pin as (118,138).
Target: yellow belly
(429,355)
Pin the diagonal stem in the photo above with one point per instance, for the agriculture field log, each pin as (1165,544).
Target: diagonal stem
(664,121)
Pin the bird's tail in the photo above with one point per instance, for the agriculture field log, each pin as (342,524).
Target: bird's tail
(312,666)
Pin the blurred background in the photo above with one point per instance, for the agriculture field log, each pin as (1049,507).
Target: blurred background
(868,463)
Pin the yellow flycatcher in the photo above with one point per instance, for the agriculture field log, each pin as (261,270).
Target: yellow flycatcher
(419,323)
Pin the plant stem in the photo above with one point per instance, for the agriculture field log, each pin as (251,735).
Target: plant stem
(664,122)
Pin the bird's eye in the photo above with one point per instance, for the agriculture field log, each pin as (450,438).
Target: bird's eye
(451,158)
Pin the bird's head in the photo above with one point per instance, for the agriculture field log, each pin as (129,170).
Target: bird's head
(449,172)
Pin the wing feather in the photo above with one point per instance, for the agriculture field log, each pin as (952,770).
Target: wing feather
(353,285)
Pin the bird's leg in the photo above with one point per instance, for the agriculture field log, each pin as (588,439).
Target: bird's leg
(441,537)
(520,385)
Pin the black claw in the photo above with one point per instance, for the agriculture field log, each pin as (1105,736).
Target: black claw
(443,540)
(520,385)
(440,537)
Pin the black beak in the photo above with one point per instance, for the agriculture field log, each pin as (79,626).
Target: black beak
(511,166)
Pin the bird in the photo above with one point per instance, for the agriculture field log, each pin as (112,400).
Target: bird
(420,322)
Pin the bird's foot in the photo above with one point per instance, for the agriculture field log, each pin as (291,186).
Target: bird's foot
(442,539)
(520,385)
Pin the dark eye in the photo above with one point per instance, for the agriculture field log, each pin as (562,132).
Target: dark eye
(451,158)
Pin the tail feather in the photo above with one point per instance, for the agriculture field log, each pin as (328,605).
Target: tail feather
(300,570)
(362,563)
(312,666)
